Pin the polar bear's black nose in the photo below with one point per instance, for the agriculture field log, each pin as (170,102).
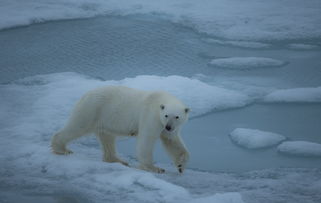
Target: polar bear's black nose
(168,127)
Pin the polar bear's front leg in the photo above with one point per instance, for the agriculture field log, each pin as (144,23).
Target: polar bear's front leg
(176,148)
(109,149)
(60,140)
(145,148)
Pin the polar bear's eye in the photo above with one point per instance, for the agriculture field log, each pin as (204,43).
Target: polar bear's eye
(177,117)
(166,116)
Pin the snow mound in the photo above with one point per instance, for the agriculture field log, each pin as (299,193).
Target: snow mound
(69,87)
(246,20)
(240,43)
(302,46)
(255,139)
(311,94)
(201,97)
(231,197)
(240,63)
(300,148)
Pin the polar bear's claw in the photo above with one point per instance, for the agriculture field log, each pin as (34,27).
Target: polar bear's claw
(116,161)
(65,152)
(123,162)
(152,169)
(161,170)
(158,170)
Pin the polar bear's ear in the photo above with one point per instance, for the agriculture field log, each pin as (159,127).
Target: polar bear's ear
(162,106)
(187,110)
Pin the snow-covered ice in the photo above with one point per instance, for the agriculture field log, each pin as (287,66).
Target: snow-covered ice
(307,94)
(255,139)
(200,97)
(240,63)
(300,148)
(45,98)
(248,20)
(232,197)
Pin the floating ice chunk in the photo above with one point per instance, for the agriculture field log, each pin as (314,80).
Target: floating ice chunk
(231,197)
(243,44)
(246,62)
(295,95)
(302,46)
(255,139)
(300,148)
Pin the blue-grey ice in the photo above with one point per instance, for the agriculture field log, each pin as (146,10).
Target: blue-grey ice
(303,94)
(255,139)
(245,63)
(300,148)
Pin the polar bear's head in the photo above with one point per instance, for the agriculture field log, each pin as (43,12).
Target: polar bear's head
(172,116)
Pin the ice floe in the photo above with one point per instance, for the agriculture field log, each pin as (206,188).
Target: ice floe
(69,87)
(300,148)
(249,20)
(306,94)
(243,63)
(255,139)
(303,46)
(242,44)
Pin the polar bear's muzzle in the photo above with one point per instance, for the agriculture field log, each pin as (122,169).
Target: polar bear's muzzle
(168,128)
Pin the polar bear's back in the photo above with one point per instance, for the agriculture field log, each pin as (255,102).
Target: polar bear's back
(114,109)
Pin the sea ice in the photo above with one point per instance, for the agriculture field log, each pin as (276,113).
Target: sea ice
(231,197)
(200,97)
(308,94)
(240,63)
(243,44)
(302,46)
(300,148)
(255,139)
(249,20)
(40,105)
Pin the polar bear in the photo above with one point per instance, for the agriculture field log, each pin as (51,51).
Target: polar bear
(113,111)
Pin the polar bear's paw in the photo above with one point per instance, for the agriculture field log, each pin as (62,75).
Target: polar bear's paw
(115,160)
(152,169)
(58,146)
(63,151)
(181,161)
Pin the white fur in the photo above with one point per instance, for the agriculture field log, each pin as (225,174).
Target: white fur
(120,111)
